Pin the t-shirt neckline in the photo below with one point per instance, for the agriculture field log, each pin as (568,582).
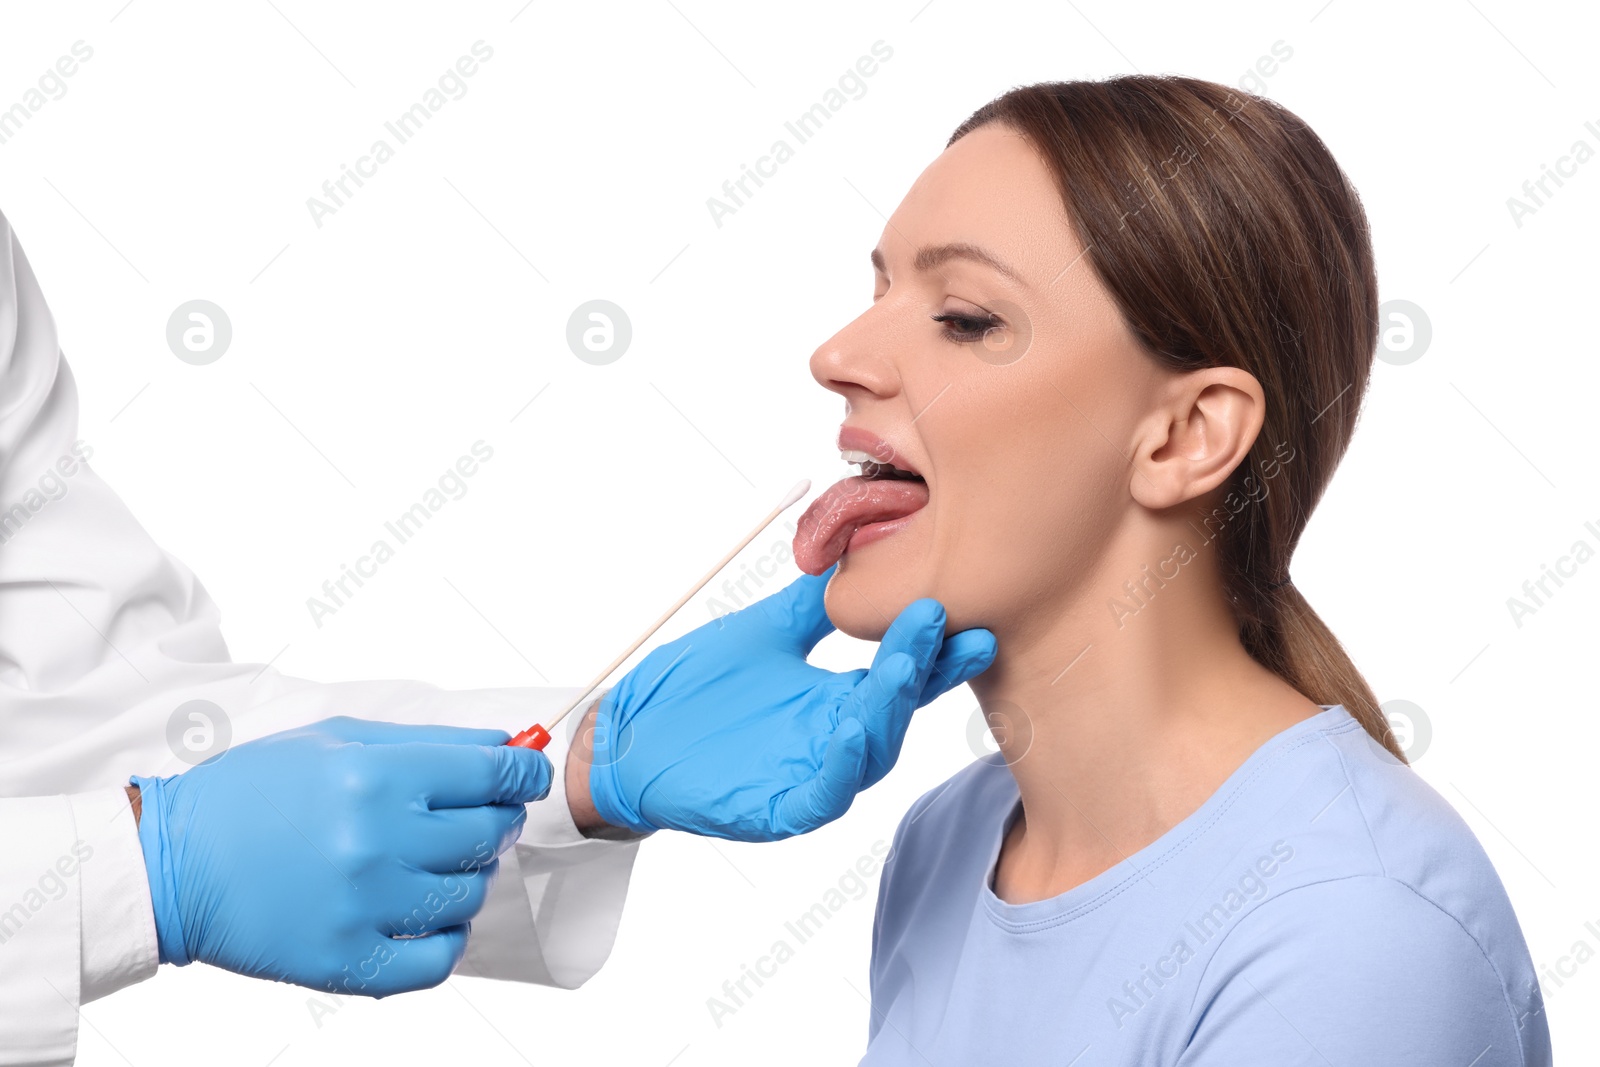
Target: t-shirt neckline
(1085,897)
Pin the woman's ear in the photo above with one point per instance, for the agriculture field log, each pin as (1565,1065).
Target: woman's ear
(1197,434)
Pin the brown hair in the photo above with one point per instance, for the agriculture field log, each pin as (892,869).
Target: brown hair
(1228,236)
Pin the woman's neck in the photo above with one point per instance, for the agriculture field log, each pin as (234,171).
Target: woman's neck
(1117,727)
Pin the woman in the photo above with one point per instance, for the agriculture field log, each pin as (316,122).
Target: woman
(1117,346)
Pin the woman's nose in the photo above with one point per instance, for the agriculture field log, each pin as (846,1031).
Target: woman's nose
(855,361)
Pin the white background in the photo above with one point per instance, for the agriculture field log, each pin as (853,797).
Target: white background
(369,353)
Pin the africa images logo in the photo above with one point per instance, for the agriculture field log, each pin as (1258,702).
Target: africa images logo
(1251,885)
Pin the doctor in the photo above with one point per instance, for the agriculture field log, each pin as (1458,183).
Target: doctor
(344,839)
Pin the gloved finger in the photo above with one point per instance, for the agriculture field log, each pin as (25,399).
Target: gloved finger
(963,657)
(465,776)
(794,617)
(372,732)
(435,902)
(451,840)
(918,631)
(405,964)
(883,703)
(915,636)
(829,793)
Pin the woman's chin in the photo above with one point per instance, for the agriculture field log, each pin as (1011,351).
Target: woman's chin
(861,601)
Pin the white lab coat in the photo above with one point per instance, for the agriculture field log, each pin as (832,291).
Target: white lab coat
(102,636)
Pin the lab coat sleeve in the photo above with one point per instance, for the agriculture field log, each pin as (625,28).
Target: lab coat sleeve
(103,636)
(117,930)
(76,920)
(555,889)
(38,934)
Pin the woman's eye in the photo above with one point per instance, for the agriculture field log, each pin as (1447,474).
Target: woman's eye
(965,329)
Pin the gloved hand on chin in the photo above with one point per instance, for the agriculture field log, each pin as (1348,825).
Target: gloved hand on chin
(729,732)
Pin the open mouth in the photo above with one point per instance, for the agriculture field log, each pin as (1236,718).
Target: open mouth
(858,510)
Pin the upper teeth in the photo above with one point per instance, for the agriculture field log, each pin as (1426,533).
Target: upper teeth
(875,468)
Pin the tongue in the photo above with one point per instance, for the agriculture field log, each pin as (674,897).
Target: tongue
(826,527)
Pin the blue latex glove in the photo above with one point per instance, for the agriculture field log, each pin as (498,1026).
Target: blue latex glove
(729,732)
(300,856)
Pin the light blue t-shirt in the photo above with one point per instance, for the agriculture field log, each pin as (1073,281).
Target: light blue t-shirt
(1324,907)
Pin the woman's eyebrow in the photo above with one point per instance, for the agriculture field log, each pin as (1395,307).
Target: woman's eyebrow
(930,257)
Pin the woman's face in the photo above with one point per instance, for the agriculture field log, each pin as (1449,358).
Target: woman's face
(994,365)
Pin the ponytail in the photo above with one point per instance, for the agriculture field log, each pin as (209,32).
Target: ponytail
(1296,645)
